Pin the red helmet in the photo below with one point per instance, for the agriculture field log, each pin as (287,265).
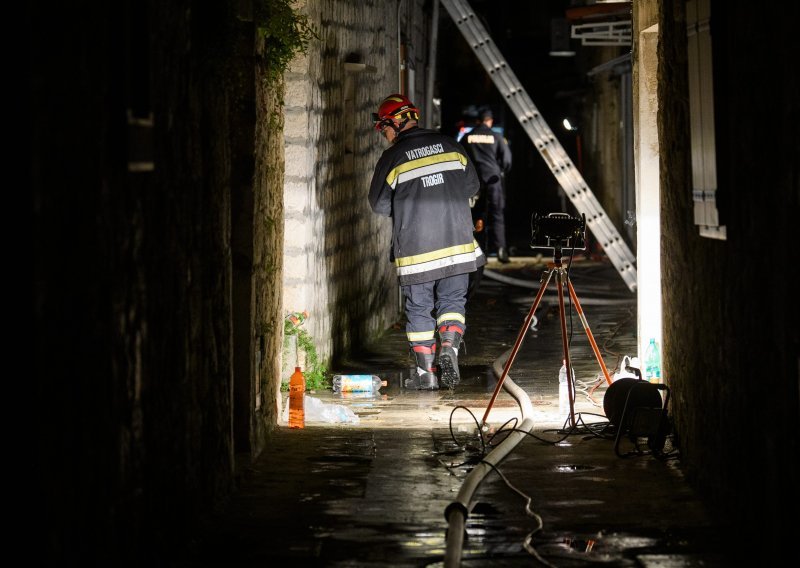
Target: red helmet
(394,106)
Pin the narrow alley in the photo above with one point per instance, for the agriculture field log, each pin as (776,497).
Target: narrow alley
(375,492)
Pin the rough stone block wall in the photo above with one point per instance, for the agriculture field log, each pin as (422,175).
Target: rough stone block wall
(605,130)
(336,255)
(132,285)
(267,257)
(730,348)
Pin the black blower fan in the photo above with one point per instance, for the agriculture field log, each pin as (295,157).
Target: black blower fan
(636,408)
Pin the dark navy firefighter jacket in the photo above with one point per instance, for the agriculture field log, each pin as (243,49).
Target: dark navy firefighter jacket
(424,182)
(490,152)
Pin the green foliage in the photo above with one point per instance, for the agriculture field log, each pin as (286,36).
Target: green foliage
(286,33)
(315,373)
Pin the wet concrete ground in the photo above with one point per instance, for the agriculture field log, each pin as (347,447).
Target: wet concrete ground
(375,493)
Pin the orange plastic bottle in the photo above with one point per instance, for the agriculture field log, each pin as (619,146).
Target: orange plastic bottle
(297,390)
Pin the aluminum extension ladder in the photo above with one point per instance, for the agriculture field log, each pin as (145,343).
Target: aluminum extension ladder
(543,138)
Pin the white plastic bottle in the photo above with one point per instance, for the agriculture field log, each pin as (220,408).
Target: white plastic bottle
(357,383)
(563,385)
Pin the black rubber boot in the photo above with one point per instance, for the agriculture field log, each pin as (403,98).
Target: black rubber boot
(448,357)
(502,255)
(424,377)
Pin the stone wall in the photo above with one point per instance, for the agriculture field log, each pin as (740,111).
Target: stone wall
(602,136)
(158,191)
(730,347)
(135,160)
(336,255)
(267,267)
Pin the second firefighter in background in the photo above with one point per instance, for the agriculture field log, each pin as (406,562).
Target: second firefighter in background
(423,181)
(492,158)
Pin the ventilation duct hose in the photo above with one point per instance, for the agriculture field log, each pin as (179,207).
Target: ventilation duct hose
(457,511)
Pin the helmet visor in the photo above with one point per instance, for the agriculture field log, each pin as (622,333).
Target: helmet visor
(380,123)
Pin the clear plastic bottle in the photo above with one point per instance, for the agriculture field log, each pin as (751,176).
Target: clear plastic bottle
(357,383)
(652,362)
(297,391)
(563,386)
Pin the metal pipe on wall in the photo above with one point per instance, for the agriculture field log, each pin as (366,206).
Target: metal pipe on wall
(434,39)
(399,51)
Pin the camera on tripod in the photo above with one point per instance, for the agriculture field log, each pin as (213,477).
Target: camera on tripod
(558,231)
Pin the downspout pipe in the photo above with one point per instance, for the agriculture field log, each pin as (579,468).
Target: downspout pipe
(399,51)
(432,50)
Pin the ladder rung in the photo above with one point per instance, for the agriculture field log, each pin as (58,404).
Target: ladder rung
(543,138)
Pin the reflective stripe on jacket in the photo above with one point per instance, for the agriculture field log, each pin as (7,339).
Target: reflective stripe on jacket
(488,150)
(424,182)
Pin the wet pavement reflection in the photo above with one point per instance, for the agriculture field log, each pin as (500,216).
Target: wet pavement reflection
(375,493)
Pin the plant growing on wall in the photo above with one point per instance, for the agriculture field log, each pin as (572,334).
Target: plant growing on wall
(286,33)
(315,372)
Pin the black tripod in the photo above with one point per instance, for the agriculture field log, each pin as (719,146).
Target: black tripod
(561,278)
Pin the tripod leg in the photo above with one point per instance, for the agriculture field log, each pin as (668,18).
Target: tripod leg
(520,336)
(588,331)
(565,344)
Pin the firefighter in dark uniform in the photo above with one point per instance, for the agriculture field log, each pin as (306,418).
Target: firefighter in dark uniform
(424,181)
(492,157)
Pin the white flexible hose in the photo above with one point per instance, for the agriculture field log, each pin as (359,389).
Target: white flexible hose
(457,511)
(535,285)
(509,280)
